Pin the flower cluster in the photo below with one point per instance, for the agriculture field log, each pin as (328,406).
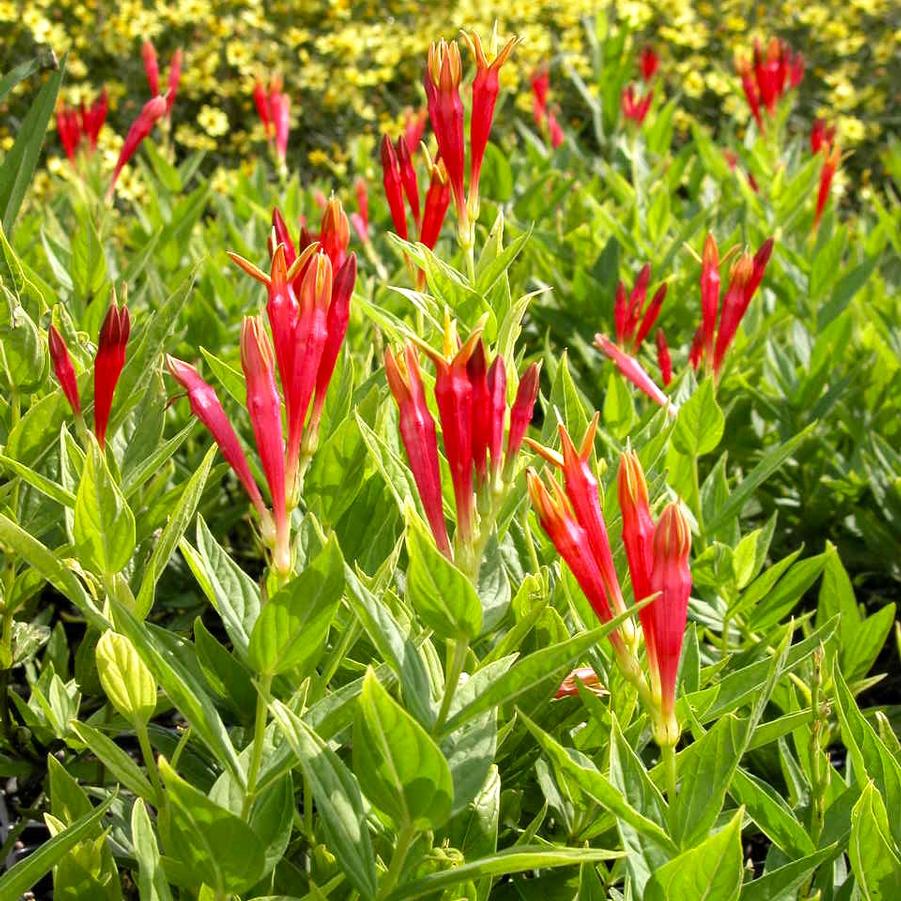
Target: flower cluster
(443,75)
(471,396)
(152,71)
(657,556)
(635,106)
(768,76)
(308,311)
(822,140)
(633,316)
(108,364)
(545,118)
(79,128)
(719,322)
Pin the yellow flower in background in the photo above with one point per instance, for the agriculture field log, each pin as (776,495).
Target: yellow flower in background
(213,121)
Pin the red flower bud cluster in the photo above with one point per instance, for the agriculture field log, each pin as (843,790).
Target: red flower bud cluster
(79,128)
(635,105)
(108,364)
(633,316)
(308,311)
(152,71)
(444,72)
(471,396)
(719,322)
(545,118)
(822,140)
(768,76)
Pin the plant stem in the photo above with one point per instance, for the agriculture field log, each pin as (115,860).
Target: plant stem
(149,760)
(405,839)
(668,758)
(259,734)
(454,670)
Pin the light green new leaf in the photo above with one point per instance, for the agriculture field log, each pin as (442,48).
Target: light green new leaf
(874,856)
(126,680)
(700,423)
(292,628)
(401,769)
(104,527)
(152,882)
(711,870)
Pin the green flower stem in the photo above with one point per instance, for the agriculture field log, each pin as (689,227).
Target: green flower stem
(454,671)
(264,691)
(149,760)
(668,758)
(405,839)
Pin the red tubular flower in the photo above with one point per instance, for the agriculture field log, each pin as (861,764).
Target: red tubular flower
(571,542)
(635,107)
(497,392)
(63,369)
(264,408)
(360,219)
(485,89)
(664,361)
(555,131)
(582,491)
(648,62)
(417,431)
(108,366)
(151,67)
(745,278)
(93,117)
(833,156)
(391,179)
(821,135)
(541,84)
(336,327)
(334,233)
(482,412)
(749,86)
(442,88)
(796,70)
(521,413)
(153,111)
(453,394)
(631,369)
(634,318)
(414,127)
(261,101)
(174,79)
(650,315)
(408,179)
(69,130)
(283,237)
(207,408)
(437,201)
(671,576)
(710,294)
(310,337)
(638,537)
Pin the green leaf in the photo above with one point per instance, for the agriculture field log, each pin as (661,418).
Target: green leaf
(120,764)
(541,666)
(756,477)
(700,422)
(782,882)
(152,882)
(439,592)
(598,787)
(874,857)
(401,769)
(126,681)
(711,870)
(165,545)
(519,859)
(787,594)
(28,872)
(46,486)
(104,527)
(338,797)
(20,162)
(396,648)
(183,686)
(291,631)
(134,476)
(704,781)
(219,848)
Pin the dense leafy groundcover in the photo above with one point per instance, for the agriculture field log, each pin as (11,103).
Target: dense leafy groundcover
(531,532)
